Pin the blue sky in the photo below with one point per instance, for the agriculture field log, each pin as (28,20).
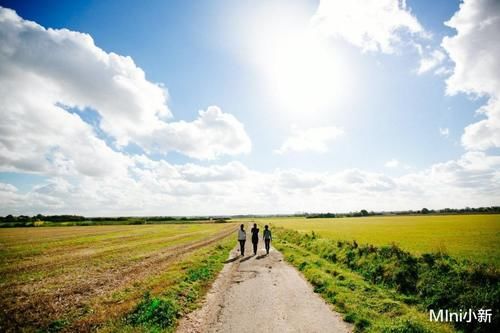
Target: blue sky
(391,121)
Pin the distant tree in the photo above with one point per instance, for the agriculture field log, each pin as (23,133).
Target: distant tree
(424,211)
(364,212)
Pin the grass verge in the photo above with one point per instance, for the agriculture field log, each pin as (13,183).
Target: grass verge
(386,289)
(173,294)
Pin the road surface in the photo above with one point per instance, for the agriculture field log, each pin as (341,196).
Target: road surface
(262,294)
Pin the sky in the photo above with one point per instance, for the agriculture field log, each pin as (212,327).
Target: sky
(248,107)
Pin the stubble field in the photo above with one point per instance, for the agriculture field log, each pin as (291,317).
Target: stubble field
(76,278)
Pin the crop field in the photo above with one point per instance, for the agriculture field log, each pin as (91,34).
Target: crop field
(75,278)
(384,274)
(473,237)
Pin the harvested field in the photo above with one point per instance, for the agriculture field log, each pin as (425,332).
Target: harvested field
(70,274)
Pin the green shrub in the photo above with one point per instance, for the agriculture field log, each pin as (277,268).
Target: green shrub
(56,326)
(154,312)
(199,274)
(406,325)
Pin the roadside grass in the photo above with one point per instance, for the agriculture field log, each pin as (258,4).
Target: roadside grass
(386,289)
(174,293)
(473,237)
(104,278)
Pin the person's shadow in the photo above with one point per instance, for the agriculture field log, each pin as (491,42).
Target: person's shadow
(231,259)
(247,258)
(262,256)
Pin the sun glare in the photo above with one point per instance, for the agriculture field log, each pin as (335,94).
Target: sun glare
(303,72)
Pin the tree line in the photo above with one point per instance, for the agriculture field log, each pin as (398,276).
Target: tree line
(82,220)
(423,211)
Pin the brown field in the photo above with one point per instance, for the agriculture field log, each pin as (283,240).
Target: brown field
(86,275)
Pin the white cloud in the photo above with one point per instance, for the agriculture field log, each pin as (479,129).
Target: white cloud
(228,172)
(485,133)
(443,71)
(444,132)
(473,171)
(46,72)
(4,187)
(314,139)
(158,187)
(73,71)
(86,176)
(38,136)
(474,50)
(431,61)
(373,25)
(393,163)
(298,180)
(212,134)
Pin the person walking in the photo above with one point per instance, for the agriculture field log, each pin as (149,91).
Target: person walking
(255,238)
(267,238)
(242,238)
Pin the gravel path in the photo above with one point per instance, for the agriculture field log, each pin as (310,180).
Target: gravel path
(262,294)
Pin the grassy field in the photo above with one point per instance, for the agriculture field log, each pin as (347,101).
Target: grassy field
(384,273)
(474,237)
(73,278)
(387,289)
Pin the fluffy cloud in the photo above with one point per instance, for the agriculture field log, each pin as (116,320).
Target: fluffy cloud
(474,50)
(73,71)
(374,25)
(431,61)
(157,187)
(314,139)
(298,180)
(485,133)
(7,188)
(46,73)
(37,135)
(228,172)
(212,134)
(444,132)
(393,163)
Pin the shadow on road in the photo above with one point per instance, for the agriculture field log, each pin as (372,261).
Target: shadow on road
(262,256)
(247,258)
(231,260)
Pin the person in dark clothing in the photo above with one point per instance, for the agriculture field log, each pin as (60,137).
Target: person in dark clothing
(267,238)
(255,237)
(242,237)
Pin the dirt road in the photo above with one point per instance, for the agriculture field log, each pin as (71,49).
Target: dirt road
(262,294)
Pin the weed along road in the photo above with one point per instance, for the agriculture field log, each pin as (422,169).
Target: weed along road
(262,294)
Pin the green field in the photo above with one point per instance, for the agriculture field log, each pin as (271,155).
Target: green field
(386,274)
(474,237)
(77,278)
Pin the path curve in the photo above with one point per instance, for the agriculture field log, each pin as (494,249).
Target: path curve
(262,294)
